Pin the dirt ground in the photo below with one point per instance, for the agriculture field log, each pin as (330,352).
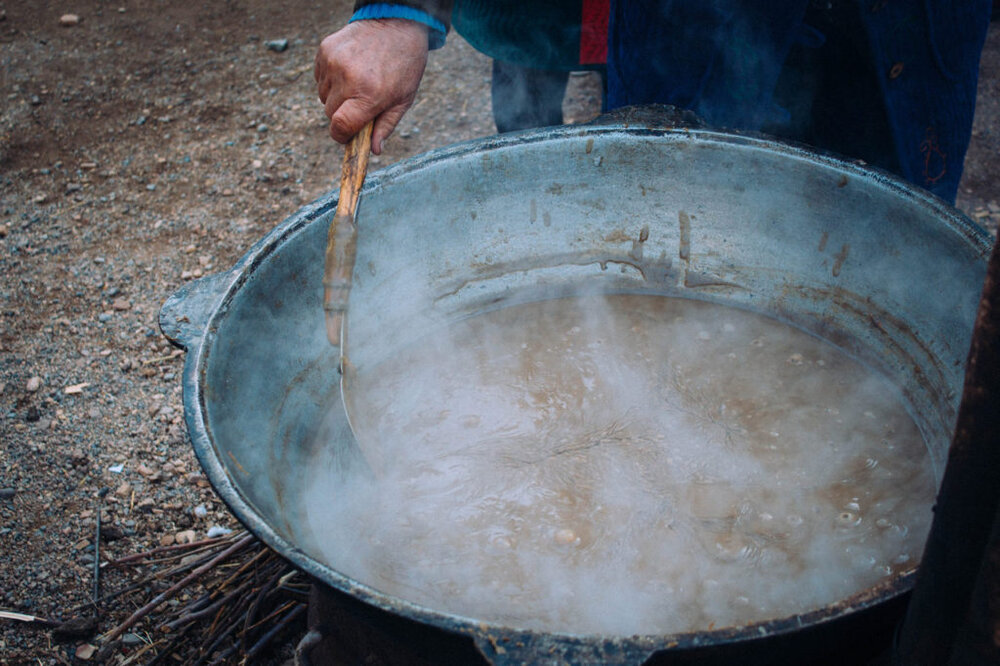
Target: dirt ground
(147,145)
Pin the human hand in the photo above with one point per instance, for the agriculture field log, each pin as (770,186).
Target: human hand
(370,69)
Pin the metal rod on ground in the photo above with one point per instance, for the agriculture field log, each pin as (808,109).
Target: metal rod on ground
(967,503)
(96,596)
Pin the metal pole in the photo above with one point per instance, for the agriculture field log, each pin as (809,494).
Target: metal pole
(967,504)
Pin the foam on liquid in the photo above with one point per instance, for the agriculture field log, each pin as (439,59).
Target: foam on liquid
(626,465)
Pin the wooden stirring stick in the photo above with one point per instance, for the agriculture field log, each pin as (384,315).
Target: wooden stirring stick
(338,268)
(342,238)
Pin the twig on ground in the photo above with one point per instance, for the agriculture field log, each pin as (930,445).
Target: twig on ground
(169,592)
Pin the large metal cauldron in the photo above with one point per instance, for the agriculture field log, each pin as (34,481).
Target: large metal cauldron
(882,270)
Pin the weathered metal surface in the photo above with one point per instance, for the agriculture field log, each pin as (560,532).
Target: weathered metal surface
(887,272)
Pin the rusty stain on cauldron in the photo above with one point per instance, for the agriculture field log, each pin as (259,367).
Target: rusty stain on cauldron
(236,462)
(617,236)
(823,239)
(840,258)
(684,252)
(487,271)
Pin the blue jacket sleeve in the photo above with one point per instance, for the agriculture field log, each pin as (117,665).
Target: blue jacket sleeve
(437,22)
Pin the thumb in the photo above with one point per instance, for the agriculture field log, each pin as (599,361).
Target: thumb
(349,118)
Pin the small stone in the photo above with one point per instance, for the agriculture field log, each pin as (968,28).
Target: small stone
(7,493)
(38,199)
(187,536)
(4,230)
(262,128)
(121,305)
(33,384)
(167,540)
(145,505)
(151,187)
(200,511)
(74,629)
(69,20)
(73,187)
(277,45)
(123,490)
(111,533)
(217,531)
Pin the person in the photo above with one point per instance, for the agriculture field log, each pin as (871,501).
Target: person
(892,83)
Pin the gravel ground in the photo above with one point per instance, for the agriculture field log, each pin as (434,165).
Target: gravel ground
(143,146)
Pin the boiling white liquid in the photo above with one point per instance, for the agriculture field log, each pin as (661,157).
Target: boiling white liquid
(626,465)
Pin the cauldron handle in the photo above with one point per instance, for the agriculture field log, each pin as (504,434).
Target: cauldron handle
(184,316)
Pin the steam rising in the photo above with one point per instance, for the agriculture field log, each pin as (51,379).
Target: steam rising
(624,465)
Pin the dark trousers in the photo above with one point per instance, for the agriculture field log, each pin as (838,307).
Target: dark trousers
(524,98)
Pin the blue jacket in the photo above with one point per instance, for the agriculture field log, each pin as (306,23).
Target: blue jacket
(723,58)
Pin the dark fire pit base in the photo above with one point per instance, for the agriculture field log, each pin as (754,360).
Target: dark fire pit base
(345,631)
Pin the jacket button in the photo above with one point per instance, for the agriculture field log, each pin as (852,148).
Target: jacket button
(896,70)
